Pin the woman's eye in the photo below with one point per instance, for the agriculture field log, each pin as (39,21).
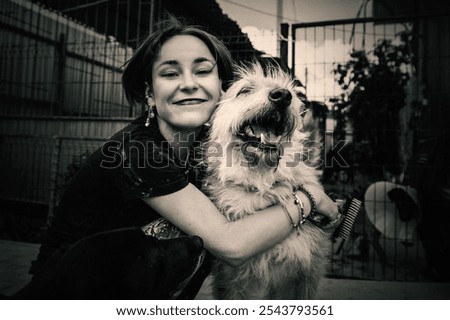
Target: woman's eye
(204,71)
(169,74)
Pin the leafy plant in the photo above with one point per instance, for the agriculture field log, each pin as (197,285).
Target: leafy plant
(373,85)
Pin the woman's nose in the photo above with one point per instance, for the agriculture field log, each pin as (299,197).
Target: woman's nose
(188,82)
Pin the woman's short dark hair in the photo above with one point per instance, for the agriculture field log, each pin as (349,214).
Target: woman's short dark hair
(138,70)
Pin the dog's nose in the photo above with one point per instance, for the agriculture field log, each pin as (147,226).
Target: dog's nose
(281,97)
(197,242)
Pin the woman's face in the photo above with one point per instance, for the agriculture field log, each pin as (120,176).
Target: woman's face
(185,84)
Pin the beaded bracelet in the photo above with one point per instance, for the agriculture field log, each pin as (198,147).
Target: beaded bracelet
(295,226)
(311,199)
(301,209)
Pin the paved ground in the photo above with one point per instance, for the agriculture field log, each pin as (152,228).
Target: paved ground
(16,256)
(339,289)
(14,264)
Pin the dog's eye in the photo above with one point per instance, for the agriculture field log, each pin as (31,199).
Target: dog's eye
(244,90)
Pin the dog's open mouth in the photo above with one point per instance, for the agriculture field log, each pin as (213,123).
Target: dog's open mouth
(262,139)
(265,134)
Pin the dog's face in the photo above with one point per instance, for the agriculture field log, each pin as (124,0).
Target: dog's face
(164,268)
(257,116)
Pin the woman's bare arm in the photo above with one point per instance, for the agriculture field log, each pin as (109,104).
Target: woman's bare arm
(234,242)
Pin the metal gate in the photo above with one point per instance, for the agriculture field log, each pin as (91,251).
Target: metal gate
(338,63)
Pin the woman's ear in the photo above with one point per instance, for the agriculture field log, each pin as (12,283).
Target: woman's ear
(148,93)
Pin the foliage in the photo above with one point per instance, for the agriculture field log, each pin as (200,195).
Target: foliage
(373,85)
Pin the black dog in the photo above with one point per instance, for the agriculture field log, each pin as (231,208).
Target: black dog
(120,264)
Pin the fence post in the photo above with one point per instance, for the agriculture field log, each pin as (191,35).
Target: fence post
(293,29)
(54,171)
(284,30)
(151,20)
(61,50)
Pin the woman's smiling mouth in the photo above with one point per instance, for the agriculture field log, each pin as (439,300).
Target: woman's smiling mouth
(188,102)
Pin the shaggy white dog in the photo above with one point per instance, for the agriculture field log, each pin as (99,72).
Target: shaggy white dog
(256,157)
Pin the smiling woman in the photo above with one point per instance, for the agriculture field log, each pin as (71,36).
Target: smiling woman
(146,171)
(185,87)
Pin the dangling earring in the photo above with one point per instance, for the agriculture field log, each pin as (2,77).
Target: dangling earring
(151,112)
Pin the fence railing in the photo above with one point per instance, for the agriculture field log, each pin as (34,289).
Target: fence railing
(378,248)
(36,169)
(54,66)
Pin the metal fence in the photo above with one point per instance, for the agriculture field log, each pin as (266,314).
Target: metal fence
(384,244)
(52,65)
(36,169)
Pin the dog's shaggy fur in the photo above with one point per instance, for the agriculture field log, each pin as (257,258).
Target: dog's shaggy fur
(255,157)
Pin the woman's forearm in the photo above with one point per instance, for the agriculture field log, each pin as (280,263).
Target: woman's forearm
(232,241)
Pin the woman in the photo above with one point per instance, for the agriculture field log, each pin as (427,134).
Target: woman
(145,171)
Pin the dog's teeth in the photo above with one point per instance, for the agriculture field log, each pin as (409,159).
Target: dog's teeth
(267,137)
(249,131)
